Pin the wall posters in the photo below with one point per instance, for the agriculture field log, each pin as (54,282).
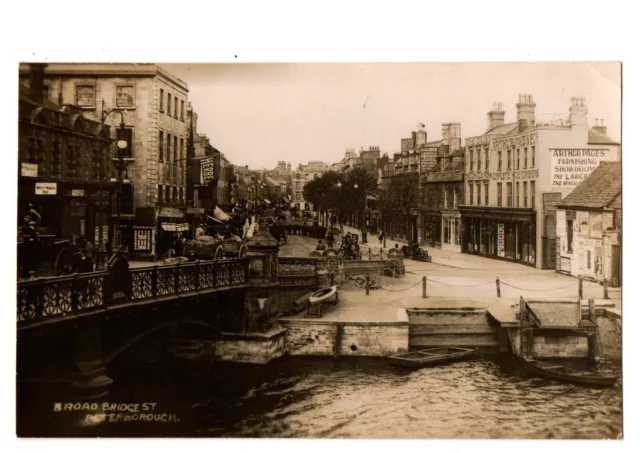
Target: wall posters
(142,239)
(29,170)
(569,167)
(105,234)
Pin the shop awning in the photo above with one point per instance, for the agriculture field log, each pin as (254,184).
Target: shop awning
(220,215)
(215,220)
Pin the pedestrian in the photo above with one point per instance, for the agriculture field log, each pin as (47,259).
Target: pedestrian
(199,231)
(381,237)
(321,246)
(84,263)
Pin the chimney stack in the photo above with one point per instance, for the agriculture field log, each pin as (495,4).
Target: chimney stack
(36,81)
(578,111)
(495,117)
(600,127)
(526,112)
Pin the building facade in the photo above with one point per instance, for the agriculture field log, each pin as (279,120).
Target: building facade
(514,170)
(589,227)
(152,105)
(64,169)
(302,175)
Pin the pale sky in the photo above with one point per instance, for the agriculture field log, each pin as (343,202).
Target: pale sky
(257,114)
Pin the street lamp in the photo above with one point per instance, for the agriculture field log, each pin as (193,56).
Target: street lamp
(121,144)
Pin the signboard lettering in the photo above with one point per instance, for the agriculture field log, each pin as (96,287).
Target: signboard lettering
(29,170)
(77,193)
(105,234)
(170,212)
(501,239)
(569,167)
(46,188)
(550,201)
(207,168)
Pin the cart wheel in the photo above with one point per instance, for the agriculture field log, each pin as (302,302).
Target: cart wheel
(218,254)
(243,251)
(388,272)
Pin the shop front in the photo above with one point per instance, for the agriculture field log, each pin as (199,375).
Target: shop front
(432,228)
(451,231)
(502,233)
(171,224)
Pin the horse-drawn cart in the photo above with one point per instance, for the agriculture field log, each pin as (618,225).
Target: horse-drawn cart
(208,247)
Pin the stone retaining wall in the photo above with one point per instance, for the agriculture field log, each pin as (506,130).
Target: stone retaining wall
(610,330)
(321,338)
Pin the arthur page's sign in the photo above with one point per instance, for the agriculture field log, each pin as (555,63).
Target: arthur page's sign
(569,167)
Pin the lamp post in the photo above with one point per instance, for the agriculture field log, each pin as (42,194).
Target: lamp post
(121,144)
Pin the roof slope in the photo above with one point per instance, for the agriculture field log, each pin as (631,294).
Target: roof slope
(598,138)
(503,129)
(600,188)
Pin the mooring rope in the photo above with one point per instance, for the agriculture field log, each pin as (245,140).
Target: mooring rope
(450,284)
(536,290)
(399,290)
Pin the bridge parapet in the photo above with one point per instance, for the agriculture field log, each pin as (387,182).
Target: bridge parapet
(58,297)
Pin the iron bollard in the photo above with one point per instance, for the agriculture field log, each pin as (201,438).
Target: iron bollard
(369,254)
(606,290)
(580,294)
(332,279)
(367,285)
(424,287)
(498,286)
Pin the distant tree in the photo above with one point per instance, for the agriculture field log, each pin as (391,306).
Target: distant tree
(401,193)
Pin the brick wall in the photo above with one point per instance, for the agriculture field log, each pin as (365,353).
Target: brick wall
(308,338)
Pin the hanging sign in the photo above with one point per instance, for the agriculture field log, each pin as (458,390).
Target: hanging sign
(207,168)
(46,188)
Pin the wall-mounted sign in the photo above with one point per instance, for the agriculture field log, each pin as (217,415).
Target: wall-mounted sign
(46,188)
(207,167)
(170,212)
(550,201)
(569,167)
(501,239)
(195,210)
(105,234)
(142,238)
(29,170)
(77,192)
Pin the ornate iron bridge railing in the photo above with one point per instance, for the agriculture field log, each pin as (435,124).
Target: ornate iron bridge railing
(57,297)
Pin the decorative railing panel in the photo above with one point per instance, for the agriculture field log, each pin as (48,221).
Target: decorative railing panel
(46,298)
(289,266)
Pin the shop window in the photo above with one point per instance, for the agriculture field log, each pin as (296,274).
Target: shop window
(161,100)
(499,160)
(500,194)
(569,236)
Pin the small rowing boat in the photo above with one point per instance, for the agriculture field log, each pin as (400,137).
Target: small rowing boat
(323,295)
(428,357)
(563,373)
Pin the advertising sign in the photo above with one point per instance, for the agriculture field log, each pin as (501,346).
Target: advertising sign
(77,193)
(46,188)
(29,170)
(105,234)
(142,239)
(207,169)
(569,167)
(501,239)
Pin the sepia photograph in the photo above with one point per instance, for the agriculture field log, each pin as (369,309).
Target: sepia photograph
(349,250)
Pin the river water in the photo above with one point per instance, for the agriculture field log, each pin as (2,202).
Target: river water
(352,398)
